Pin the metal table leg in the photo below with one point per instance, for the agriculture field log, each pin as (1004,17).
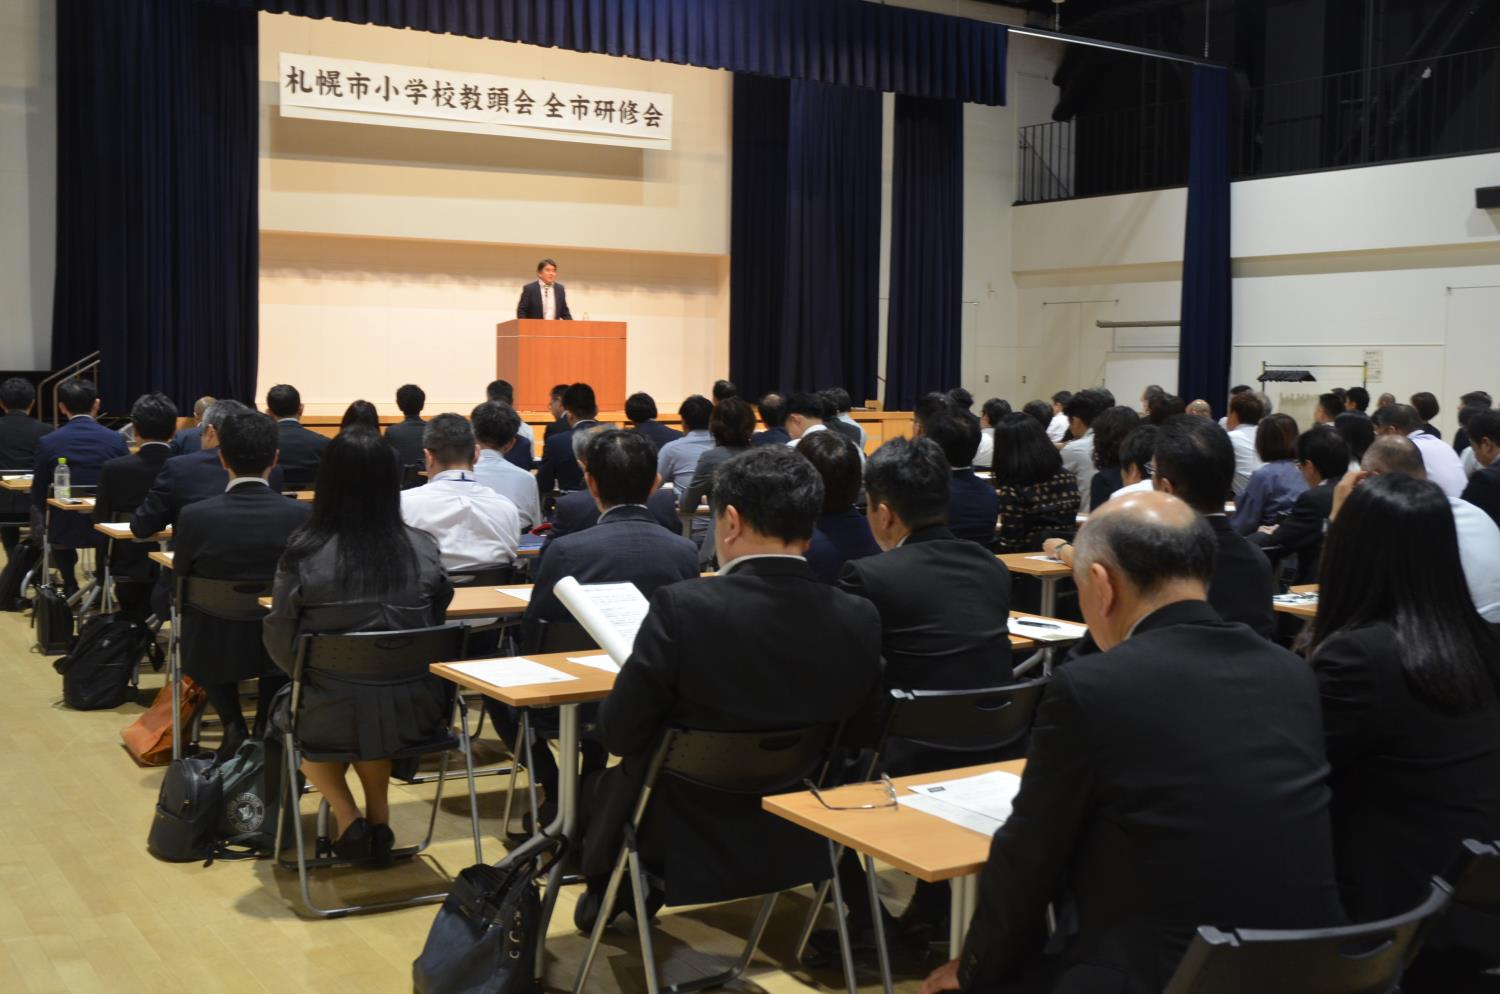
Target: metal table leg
(1049,596)
(566,822)
(964,898)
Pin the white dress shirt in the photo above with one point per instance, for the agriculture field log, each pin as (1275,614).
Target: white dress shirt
(549,301)
(1078,459)
(1479,551)
(525,432)
(509,480)
(1246,462)
(1443,465)
(1057,428)
(471,524)
(985,457)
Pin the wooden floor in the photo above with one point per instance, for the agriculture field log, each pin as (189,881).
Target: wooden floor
(84,907)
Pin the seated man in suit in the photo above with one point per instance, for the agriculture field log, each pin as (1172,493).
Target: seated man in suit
(806,414)
(405,435)
(238,535)
(559,469)
(732,653)
(471,524)
(1323,457)
(628,545)
(87,446)
(195,476)
(973,504)
(678,459)
(520,454)
(19,435)
(1195,461)
(191,439)
(836,417)
(772,409)
(123,484)
(842,534)
(301,448)
(1483,489)
(495,429)
(1174,779)
(578,510)
(640,410)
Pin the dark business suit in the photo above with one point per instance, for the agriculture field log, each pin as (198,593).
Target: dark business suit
(1242,589)
(658,433)
(973,508)
(87,445)
(19,435)
(944,605)
(771,436)
(123,484)
(182,481)
(839,537)
(187,441)
(577,511)
(1103,486)
(561,424)
(405,437)
(301,450)
(730,653)
(1409,783)
(520,454)
(1483,490)
(559,469)
(1301,531)
(1175,781)
(236,535)
(530,304)
(844,428)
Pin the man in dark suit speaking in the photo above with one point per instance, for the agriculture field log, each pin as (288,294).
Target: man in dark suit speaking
(545,299)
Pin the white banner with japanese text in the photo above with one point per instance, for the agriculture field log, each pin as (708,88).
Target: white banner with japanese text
(314,86)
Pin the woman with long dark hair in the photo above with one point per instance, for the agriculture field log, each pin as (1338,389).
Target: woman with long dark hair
(1358,432)
(1408,674)
(355,567)
(360,414)
(1038,497)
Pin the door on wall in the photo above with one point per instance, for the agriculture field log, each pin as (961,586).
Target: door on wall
(1473,318)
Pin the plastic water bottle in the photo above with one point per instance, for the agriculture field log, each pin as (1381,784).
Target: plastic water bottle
(62,479)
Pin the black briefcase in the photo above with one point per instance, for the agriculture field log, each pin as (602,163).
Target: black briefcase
(53,618)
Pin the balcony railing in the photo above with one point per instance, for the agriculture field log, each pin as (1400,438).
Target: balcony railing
(1408,110)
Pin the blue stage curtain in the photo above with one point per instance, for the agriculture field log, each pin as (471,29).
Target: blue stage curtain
(157,231)
(757,231)
(831,276)
(1207,314)
(924,341)
(847,42)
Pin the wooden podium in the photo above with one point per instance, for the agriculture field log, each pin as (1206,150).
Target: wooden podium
(535,355)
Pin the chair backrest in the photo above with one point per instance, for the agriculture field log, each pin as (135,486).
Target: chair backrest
(560,636)
(1475,876)
(411,475)
(747,762)
(381,656)
(486,575)
(228,600)
(979,720)
(1355,959)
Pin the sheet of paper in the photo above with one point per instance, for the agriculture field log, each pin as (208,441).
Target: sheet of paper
(988,794)
(519,593)
(1046,559)
(610,612)
(598,662)
(512,671)
(1043,630)
(983,824)
(1296,598)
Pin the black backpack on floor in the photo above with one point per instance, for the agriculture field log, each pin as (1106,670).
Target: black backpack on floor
(252,787)
(187,811)
(96,671)
(23,559)
(53,618)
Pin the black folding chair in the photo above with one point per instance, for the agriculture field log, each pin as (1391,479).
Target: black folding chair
(412,475)
(742,763)
(1353,959)
(484,575)
(390,658)
(226,600)
(1475,876)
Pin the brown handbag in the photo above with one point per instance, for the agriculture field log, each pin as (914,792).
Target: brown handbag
(149,737)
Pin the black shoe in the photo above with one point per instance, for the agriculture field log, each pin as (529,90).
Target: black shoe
(354,844)
(586,911)
(822,951)
(234,737)
(382,841)
(548,811)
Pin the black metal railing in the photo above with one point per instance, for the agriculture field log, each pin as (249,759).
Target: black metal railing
(1426,108)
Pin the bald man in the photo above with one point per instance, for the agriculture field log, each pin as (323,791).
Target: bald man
(1200,409)
(1478,535)
(1177,777)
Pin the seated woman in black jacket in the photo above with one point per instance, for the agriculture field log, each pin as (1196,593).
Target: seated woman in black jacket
(355,567)
(1408,673)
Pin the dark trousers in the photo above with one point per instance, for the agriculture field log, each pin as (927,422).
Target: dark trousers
(10,536)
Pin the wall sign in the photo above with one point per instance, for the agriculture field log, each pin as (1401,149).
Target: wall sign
(333,89)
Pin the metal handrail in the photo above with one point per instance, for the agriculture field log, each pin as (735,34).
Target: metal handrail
(79,367)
